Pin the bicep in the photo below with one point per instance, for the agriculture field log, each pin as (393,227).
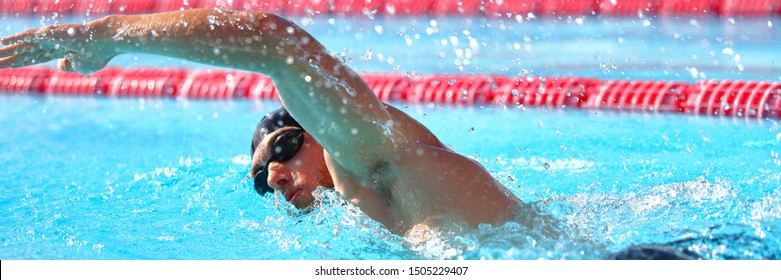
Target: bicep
(333,103)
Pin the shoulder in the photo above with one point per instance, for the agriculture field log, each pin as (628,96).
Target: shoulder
(412,130)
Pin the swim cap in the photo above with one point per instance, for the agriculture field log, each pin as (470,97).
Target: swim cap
(271,122)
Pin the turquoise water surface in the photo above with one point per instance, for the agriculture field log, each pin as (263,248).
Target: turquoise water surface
(95,178)
(100,178)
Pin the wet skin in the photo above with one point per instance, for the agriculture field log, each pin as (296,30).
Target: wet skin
(375,156)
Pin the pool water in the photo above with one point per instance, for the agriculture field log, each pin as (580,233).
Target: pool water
(100,178)
(684,49)
(94,178)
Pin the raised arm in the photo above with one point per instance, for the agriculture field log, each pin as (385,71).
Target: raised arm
(329,99)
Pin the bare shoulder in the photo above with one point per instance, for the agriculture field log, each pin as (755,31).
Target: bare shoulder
(413,131)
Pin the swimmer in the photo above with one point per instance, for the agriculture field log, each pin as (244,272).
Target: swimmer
(332,132)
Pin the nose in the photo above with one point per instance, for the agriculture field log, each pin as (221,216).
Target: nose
(278,176)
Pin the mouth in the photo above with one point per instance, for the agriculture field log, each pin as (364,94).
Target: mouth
(291,196)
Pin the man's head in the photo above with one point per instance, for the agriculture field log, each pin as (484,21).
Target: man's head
(286,158)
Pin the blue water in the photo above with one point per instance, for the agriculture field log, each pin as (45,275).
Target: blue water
(97,178)
(648,48)
(92,178)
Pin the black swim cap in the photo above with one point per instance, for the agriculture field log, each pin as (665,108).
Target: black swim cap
(277,119)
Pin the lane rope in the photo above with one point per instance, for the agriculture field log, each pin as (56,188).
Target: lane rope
(749,99)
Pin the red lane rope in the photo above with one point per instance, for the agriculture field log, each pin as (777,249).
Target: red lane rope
(750,99)
(496,8)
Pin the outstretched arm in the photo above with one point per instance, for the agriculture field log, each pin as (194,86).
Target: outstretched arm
(328,98)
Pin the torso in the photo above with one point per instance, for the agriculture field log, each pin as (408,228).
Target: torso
(424,185)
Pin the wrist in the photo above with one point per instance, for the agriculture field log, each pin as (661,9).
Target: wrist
(108,32)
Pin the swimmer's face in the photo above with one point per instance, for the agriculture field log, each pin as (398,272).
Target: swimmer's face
(297,177)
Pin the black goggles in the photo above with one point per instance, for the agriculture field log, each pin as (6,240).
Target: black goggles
(285,147)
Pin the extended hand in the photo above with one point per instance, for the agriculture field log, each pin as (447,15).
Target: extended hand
(79,48)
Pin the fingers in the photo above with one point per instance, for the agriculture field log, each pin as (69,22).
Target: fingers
(16,49)
(21,50)
(27,53)
(24,36)
(61,32)
(26,59)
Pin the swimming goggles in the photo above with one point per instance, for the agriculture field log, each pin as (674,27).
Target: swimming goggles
(285,147)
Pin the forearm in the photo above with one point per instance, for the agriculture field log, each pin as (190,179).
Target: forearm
(323,94)
(243,40)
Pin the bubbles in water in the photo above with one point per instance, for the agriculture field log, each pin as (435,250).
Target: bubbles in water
(693,72)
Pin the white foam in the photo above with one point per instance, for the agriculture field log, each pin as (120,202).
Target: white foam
(542,164)
(242,160)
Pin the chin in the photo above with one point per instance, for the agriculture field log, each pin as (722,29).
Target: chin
(303,203)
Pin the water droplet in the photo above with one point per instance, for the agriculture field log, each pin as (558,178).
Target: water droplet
(71,31)
(539,123)
(563,147)
(693,72)
(471,129)
(354,131)
(547,166)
